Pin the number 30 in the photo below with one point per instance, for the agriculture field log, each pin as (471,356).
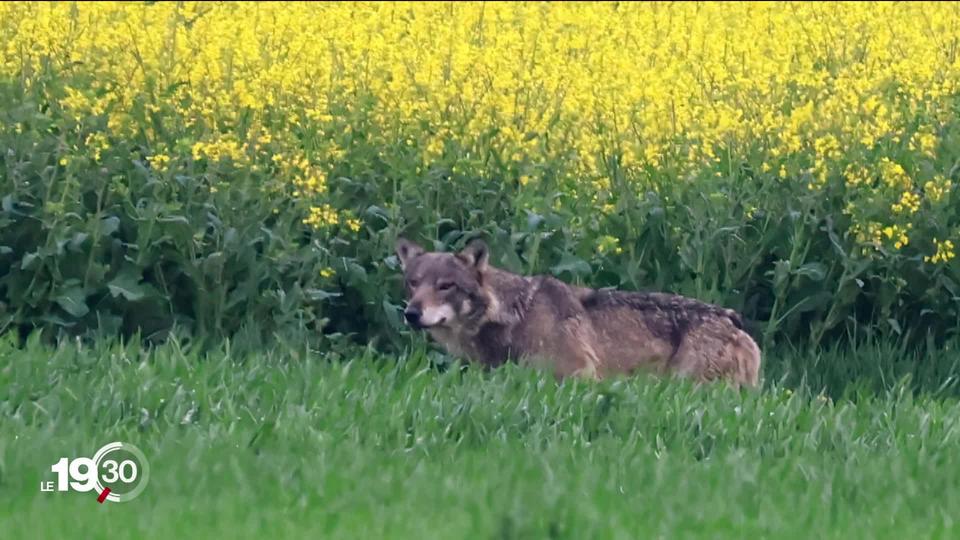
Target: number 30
(126,471)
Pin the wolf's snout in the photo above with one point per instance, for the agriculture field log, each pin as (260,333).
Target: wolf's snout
(413,314)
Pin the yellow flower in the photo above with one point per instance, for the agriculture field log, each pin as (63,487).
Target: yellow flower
(322,216)
(434,149)
(937,188)
(219,149)
(159,162)
(893,174)
(873,235)
(909,202)
(313,183)
(855,176)
(943,254)
(327,272)
(924,141)
(609,244)
(261,86)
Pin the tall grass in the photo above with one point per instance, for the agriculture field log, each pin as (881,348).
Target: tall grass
(289,444)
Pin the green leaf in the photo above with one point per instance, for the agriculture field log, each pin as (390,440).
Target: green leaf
(77,241)
(534,220)
(109,225)
(815,271)
(781,271)
(127,285)
(319,294)
(392,313)
(376,211)
(572,264)
(213,264)
(949,285)
(895,326)
(813,302)
(57,321)
(73,301)
(356,273)
(174,219)
(29,261)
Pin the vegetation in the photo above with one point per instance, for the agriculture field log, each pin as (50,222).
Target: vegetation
(209,165)
(221,184)
(289,444)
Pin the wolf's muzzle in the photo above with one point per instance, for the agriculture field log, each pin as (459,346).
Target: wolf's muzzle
(413,314)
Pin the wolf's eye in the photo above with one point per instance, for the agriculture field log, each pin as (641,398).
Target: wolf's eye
(444,285)
(412,283)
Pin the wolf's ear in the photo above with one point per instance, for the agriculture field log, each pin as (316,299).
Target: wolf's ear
(476,254)
(407,251)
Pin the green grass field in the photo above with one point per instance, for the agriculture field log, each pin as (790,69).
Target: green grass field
(284,444)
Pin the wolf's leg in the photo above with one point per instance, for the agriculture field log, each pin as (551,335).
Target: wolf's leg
(747,356)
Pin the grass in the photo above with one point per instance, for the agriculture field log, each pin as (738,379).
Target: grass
(287,444)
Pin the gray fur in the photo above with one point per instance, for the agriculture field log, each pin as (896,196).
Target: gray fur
(490,316)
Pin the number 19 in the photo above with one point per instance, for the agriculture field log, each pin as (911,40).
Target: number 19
(83,480)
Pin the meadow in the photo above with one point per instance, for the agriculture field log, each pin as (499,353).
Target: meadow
(291,444)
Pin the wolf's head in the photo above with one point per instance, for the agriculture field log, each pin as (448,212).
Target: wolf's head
(444,290)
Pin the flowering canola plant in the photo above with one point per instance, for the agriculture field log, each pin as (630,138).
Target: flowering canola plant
(848,101)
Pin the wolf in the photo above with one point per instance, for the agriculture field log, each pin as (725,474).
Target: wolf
(490,316)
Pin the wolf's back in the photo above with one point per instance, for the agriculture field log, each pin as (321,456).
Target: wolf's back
(673,307)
